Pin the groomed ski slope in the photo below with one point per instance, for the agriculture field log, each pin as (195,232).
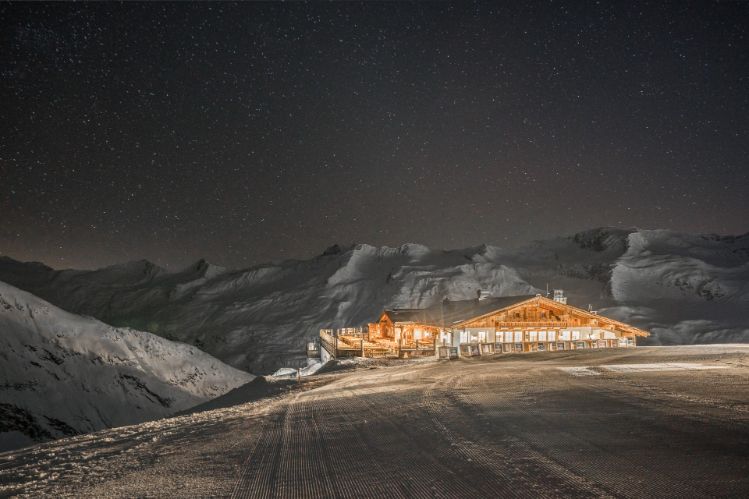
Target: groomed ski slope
(503,426)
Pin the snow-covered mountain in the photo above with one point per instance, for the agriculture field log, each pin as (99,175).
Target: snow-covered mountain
(684,288)
(63,374)
(694,268)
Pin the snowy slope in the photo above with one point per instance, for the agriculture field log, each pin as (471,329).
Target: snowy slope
(581,264)
(668,265)
(685,288)
(258,319)
(62,374)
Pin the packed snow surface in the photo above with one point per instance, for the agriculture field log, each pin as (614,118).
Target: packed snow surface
(495,426)
(640,368)
(62,374)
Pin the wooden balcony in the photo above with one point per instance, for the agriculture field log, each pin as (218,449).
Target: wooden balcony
(356,344)
(551,324)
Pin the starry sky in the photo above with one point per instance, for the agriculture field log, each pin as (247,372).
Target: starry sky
(245,133)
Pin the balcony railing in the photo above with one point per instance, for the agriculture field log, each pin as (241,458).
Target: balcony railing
(503,324)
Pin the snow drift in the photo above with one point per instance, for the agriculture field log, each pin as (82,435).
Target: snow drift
(63,374)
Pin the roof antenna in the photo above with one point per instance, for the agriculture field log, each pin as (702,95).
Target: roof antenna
(547,290)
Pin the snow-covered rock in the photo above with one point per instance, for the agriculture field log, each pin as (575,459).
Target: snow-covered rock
(63,374)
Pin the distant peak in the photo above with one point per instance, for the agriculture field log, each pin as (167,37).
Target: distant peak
(6,260)
(204,268)
(337,249)
(332,250)
(145,265)
(472,251)
(602,238)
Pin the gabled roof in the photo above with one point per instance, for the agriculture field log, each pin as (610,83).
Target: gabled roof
(448,312)
(598,317)
(455,313)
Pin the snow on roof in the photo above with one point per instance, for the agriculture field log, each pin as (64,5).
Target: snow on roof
(451,312)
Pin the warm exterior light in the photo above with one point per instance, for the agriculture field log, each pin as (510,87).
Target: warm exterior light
(482,327)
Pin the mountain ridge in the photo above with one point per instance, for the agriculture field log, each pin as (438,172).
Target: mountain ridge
(259,318)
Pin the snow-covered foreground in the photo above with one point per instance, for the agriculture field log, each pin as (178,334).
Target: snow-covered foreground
(62,374)
(500,426)
(637,368)
(685,288)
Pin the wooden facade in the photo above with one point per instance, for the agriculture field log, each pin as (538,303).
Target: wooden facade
(482,327)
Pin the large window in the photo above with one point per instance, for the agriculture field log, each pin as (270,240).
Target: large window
(444,337)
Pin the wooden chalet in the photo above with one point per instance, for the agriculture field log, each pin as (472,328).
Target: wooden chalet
(529,323)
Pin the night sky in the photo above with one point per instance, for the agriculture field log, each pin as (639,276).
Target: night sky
(256,132)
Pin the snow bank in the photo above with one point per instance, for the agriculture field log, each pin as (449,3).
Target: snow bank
(311,368)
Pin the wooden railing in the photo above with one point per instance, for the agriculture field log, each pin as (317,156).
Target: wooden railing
(504,324)
(418,345)
(381,348)
(328,342)
(349,343)
(356,343)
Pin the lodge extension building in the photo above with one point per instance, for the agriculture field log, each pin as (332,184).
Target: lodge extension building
(486,325)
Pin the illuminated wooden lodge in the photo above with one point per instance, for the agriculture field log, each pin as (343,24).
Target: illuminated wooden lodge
(529,323)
